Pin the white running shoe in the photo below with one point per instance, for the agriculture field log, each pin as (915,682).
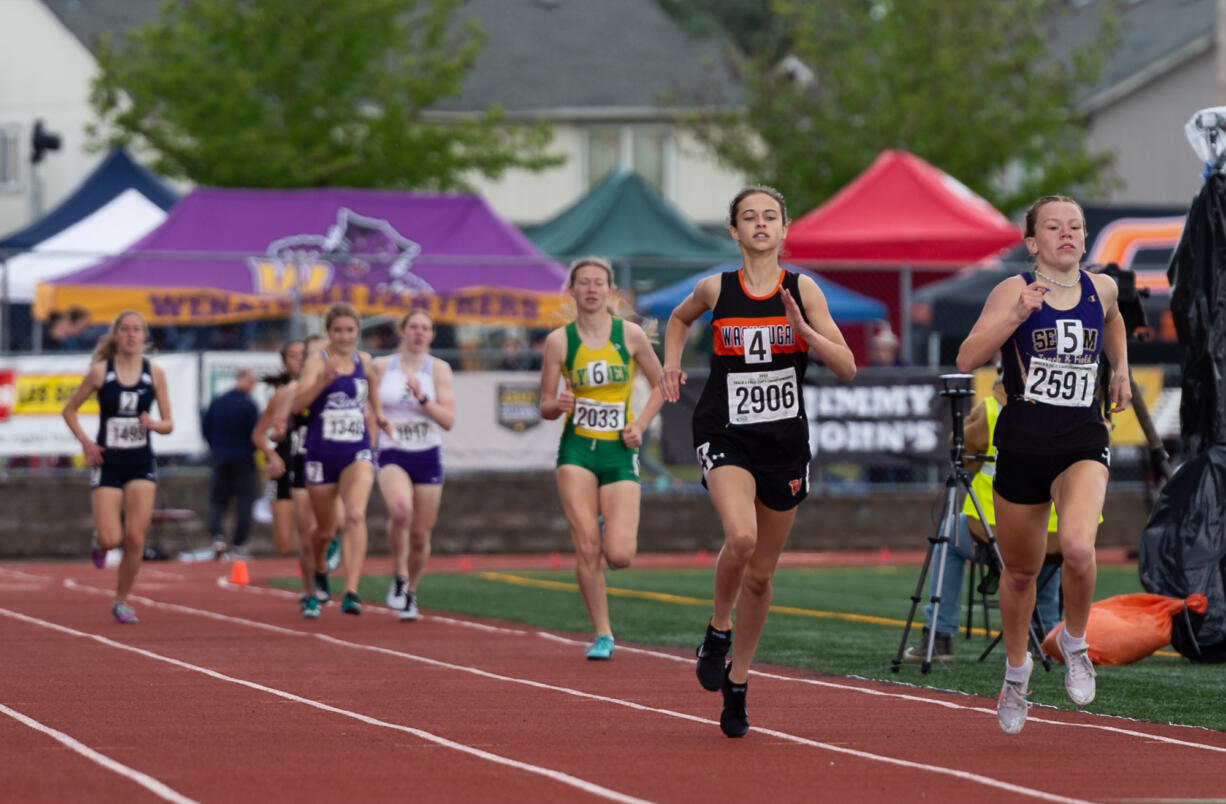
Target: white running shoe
(409,612)
(396,593)
(1012,704)
(1078,674)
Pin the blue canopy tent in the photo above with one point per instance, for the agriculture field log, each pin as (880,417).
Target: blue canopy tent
(115,205)
(846,306)
(114,174)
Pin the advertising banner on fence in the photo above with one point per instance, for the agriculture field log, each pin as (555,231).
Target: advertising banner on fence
(888,416)
(43,383)
(498,425)
(883,416)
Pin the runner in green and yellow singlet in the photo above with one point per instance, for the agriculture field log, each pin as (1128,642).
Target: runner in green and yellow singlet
(594,359)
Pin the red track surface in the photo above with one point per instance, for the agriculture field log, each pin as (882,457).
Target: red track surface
(226,693)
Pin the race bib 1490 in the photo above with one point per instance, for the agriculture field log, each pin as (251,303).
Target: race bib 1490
(125,433)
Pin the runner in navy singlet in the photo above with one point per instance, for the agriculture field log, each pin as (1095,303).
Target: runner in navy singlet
(1050,325)
(123,475)
(335,388)
(279,453)
(415,390)
(751,433)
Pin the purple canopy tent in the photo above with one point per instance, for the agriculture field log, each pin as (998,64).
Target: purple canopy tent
(225,255)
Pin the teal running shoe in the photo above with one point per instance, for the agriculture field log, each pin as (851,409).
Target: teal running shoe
(310,607)
(351,604)
(601,649)
(334,553)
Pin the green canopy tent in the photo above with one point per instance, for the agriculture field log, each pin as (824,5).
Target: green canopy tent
(626,221)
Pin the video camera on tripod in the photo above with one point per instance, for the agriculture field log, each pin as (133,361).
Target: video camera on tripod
(957,388)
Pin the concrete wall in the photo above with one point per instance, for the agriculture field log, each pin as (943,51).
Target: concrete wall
(49,517)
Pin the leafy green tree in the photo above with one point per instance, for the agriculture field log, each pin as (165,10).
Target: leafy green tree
(969,85)
(306,93)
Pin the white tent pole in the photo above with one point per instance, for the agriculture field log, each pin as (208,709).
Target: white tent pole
(904,314)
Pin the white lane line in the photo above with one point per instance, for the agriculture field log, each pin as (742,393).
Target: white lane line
(25,576)
(889,760)
(1032,718)
(549,773)
(144,780)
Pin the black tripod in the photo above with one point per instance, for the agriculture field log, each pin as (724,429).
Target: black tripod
(957,387)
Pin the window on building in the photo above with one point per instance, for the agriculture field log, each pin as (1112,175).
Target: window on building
(648,150)
(10,157)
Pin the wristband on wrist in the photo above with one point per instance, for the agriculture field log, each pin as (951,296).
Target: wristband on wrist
(422,399)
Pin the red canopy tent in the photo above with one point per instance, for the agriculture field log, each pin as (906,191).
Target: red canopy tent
(901,213)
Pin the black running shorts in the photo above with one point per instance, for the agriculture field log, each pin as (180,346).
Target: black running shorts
(1025,478)
(777,489)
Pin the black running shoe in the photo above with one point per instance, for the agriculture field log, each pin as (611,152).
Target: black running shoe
(323,588)
(711,655)
(734,720)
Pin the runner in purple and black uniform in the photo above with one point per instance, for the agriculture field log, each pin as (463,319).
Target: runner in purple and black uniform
(1051,325)
(334,389)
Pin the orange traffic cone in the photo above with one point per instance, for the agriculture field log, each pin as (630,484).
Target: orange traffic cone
(465,564)
(704,558)
(238,573)
(555,561)
(883,556)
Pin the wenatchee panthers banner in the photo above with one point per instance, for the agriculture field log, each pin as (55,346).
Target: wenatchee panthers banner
(883,416)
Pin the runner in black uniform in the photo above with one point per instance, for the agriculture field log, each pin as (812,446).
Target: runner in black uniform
(750,429)
(278,455)
(123,475)
(1051,324)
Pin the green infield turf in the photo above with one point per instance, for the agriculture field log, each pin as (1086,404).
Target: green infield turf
(843,622)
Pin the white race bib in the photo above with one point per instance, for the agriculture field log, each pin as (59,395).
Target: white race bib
(1068,385)
(297,441)
(762,396)
(599,417)
(411,433)
(125,433)
(344,425)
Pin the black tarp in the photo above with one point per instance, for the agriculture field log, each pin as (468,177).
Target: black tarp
(1183,547)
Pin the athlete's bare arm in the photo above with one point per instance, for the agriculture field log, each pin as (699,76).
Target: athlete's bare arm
(164,424)
(553,402)
(1009,304)
(442,407)
(819,331)
(1115,341)
(90,383)
(645,357)
(703,298)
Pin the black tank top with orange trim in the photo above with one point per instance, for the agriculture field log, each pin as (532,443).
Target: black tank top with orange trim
(753,393)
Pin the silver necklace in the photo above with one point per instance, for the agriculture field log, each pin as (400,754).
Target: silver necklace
(1057,282)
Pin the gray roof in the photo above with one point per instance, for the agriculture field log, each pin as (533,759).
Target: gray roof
(89,19)
(583,54)
(557,58)
(1157,37)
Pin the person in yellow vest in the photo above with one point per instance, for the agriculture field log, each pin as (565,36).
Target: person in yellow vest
(979,439)
(587,375)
